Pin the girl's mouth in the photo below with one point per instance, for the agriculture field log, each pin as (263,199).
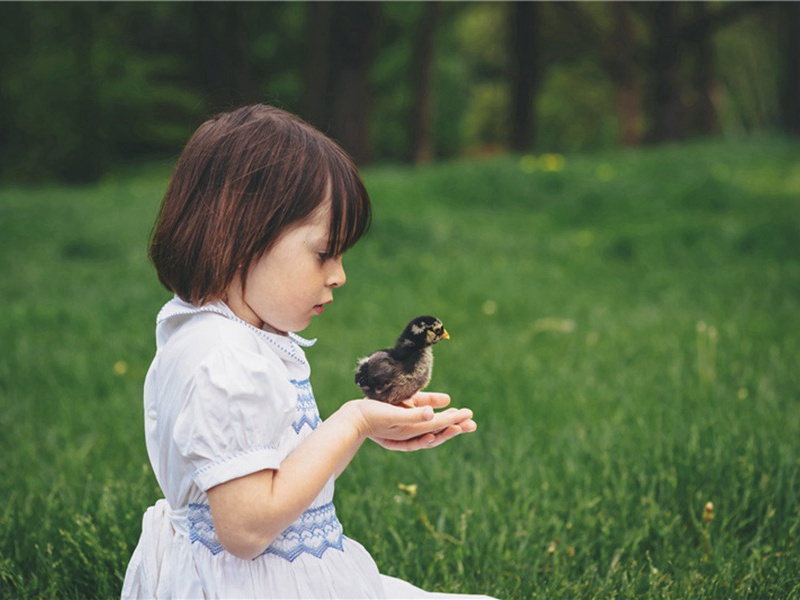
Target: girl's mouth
(318,308)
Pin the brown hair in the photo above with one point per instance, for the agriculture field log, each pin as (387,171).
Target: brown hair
(242,180)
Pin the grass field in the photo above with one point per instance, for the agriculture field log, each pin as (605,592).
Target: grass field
(625,327)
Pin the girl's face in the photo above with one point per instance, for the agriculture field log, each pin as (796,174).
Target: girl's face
(293,281)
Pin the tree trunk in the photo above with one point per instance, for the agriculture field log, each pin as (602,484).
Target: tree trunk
(702,118)
(88,159)
(243,77)
(618,53)
(621,64)
(665,101)
(790,81)
(523,59)
(355,27)
(317,96)
(421,77)
(224,52)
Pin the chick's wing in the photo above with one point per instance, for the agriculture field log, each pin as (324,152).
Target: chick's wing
(376,372)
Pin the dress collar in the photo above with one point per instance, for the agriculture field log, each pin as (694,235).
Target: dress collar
(290,344)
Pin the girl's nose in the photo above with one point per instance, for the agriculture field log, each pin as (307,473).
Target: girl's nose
(337,277)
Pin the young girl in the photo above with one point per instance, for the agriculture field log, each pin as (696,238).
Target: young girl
(250,238)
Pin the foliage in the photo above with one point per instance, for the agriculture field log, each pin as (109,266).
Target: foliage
(588,121)
(79,94)
(748,72)
(85,87)
(481,34)
(624,327)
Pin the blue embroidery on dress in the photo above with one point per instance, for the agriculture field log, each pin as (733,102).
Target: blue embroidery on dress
(313,533)
(307,412)
(201,527)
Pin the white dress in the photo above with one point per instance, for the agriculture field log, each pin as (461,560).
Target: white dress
(223,399)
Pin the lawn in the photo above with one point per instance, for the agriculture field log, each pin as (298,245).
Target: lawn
(625,327)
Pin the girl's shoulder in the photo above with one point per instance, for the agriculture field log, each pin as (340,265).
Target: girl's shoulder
(203,336)
(192,334)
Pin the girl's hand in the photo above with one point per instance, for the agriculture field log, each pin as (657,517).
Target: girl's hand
(413,428)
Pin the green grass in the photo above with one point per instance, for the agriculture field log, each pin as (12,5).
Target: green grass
(625,329)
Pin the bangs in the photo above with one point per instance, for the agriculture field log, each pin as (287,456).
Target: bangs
(351,213)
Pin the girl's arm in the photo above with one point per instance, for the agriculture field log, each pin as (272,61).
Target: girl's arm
(251,511)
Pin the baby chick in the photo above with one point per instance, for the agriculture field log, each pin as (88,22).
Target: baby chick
(395,374)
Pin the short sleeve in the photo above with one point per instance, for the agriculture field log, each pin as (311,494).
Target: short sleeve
(237,407)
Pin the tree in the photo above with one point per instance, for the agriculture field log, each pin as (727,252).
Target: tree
(664,101)
(524,73)
(697,33)
(56,125)
(677,35)
(421,76)
(337,95)
(92,150)
(317,71)
(614,41)
(224,50)
(789,15)
(622,66)
(702,117)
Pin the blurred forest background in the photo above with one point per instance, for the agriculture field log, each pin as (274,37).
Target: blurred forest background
(86,87)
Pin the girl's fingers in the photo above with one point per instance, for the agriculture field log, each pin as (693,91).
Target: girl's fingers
(429,439)
(433,399)
(378,411)
(415,416)
(427,413)
(468,426)
(418,443)
(459,421)
(452,416)
(417,427)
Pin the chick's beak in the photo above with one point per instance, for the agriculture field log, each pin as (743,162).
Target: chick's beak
(445,335)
